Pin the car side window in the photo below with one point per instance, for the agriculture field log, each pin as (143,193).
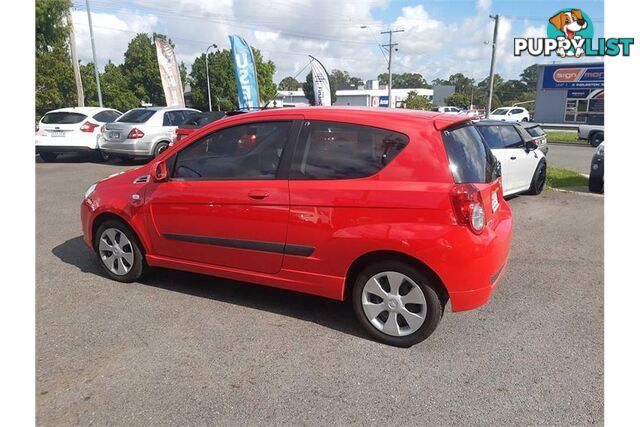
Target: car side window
(510,137)
(243,152)
(492,136)
(173,118)
(330,150)
(516,111)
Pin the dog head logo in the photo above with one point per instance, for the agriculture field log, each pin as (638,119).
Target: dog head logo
(569,25)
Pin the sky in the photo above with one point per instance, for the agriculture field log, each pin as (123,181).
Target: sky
(440,38)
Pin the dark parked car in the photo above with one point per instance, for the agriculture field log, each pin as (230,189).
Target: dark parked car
(196,122)
(538,134)
(596,174)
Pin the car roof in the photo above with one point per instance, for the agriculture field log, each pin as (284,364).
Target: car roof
(528,125)
(82,110)
(343,113)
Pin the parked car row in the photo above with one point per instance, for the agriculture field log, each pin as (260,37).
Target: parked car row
(104,132)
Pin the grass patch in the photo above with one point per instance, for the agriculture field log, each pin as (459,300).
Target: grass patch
(558,177)
(565,137)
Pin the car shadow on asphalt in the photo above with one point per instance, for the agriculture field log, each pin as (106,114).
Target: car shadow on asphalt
(86,158)
(322,311)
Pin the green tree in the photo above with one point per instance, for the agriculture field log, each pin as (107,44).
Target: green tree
(87,74)
(141,69)
(414,101)
(115,89)
(342,80)
(405,80)
(530,77)
(307,87)
(55,85)
(223,80)
(460,100)
(289,83)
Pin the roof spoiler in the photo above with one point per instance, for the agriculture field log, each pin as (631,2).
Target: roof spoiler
(444,121)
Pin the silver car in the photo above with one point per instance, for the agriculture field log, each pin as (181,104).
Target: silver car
(143,132)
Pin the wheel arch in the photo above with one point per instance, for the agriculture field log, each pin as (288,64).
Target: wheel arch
(385,255)
(107,216)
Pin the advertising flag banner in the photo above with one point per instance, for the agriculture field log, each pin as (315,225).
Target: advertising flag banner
(321,83)
(246,75)
(169,73)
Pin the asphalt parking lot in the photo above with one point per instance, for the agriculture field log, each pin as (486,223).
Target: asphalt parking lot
(181,348)
(575,157)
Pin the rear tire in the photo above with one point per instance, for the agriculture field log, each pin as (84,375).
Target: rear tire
(412,306)
(101,156)
(596,138)
(539,179)
(160,147)
(119,251)
(48,157)
(596,183)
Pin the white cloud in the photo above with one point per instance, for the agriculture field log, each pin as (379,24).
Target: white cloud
(286,32)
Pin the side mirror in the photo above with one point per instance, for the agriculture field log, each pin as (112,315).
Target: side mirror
(159,171)
(530,146)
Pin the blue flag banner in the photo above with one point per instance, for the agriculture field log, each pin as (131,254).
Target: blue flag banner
(246,76)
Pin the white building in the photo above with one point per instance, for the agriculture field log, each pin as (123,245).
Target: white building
(354,97)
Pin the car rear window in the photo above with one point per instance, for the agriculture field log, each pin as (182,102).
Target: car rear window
(470,159)
(535,131)
(136,116)
(63,118)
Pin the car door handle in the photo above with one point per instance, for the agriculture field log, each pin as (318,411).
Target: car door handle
(258,194)
(512,157)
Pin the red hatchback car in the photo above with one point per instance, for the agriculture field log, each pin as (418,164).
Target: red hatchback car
(398,210)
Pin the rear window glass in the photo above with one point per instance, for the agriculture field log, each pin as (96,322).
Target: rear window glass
(329,150)
(136,116)
(535,131)
(63,118)
(470,159)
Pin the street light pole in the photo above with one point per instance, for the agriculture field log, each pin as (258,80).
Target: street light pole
(496,18)
(206,62)
(390,48)
(95,61)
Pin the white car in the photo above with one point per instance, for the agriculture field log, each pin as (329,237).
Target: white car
(510,114)
(72,130)
(143,132)
(524,166)
(448,110)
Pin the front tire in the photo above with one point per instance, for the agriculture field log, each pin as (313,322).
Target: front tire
(48,157)
(396,303)
(596,138)
(539,179)
(119,251)
(596,183)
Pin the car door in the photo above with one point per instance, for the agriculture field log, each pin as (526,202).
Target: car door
(495,139)
(226,202)
(518,159)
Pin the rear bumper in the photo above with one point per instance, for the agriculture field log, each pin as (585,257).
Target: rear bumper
(68,144)
(131,147)
(473,269)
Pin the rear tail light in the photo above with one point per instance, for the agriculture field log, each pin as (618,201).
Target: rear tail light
(467,206)
(103,128)
(135,134)
(88,127)
(179,137)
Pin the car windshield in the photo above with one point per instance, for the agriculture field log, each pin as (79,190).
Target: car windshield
(470,160)
(500,111)
(139,115)
(63,118)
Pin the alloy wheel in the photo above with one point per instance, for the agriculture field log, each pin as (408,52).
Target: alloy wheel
(394,304)
(116,251)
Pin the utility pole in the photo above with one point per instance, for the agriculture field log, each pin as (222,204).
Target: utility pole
(390,47)
(95,61)
(74,60)
(496,19)
(206,61)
